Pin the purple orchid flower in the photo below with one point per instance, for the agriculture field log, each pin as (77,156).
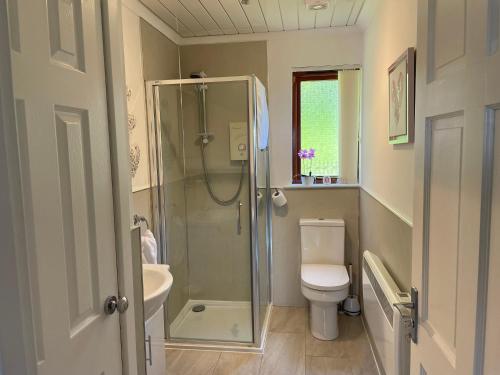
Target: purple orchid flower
(303,154)
(307,155)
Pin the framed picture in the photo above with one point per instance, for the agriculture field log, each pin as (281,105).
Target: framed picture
(402,98)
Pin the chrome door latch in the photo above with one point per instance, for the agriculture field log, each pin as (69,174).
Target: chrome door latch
(150,358)
(113,303)
(412,316)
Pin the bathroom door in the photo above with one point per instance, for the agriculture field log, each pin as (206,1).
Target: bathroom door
(62,125)
(457,190)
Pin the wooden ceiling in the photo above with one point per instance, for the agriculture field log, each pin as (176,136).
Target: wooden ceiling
(192,18)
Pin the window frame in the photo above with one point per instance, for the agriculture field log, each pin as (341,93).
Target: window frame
(297,78)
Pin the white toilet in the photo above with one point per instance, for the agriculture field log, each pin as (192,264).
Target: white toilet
(325,282)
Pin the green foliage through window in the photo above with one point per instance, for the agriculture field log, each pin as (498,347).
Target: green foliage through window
(319,125)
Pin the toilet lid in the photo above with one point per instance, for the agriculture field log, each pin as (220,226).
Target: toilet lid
(324,276)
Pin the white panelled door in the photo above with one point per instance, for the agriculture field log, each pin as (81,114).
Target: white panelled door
(59,85)
(457,181)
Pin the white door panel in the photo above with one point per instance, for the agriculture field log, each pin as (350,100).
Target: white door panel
(455,74)
(59,84)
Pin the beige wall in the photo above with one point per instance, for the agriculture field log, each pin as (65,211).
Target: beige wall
(160,60)
(287,52)
(175,193)
(218,255)
(386,171)
(160,56)
(389,237)
(226,59)
(282,58)
(341,203)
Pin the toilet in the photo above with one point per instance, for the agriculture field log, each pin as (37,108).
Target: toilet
(324,278)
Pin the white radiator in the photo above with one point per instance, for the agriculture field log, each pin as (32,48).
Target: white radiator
(389,334)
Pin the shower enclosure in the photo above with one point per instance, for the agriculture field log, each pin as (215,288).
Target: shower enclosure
(211,209)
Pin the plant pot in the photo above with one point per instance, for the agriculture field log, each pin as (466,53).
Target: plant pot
(308,180)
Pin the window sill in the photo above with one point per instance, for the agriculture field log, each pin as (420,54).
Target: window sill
(320,186)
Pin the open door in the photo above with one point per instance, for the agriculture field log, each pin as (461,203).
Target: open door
(64,149)
(457,191)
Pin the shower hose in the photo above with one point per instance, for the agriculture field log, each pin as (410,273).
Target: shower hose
(219,201)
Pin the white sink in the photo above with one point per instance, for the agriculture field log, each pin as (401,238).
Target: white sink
(157,281)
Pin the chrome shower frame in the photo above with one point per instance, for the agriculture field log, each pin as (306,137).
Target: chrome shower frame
(158,225)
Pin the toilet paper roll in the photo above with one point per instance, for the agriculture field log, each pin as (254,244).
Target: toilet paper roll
(279,199)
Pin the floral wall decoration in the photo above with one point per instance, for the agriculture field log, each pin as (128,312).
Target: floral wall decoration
(136,106)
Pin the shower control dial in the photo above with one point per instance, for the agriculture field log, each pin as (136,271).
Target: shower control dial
(238,140)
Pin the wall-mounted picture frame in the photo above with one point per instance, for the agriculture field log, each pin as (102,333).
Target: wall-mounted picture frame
(402,98)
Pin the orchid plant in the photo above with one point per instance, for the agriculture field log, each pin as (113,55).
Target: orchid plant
(305,154)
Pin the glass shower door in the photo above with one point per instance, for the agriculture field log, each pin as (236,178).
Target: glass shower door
(263,219)
(204,146)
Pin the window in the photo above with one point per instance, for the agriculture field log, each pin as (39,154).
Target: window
(316,123)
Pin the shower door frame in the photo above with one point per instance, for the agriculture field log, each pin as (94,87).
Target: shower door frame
(158,201)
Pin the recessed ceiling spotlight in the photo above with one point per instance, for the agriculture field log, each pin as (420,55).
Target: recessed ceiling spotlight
(316,4)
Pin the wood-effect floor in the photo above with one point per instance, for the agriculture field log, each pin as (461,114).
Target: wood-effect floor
(290,350)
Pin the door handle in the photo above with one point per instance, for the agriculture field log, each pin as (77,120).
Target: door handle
(413,316)
(113,303)
(122,305)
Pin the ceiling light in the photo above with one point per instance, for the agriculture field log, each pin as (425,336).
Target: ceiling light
(316,4)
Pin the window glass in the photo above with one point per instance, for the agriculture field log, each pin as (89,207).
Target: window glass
(319,126)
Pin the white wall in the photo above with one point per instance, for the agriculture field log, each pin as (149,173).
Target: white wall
(386,171)
(286,53)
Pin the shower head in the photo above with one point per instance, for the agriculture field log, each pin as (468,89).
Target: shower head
(200,87)
(201,74)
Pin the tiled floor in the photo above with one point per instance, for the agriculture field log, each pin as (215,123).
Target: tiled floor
(290,350)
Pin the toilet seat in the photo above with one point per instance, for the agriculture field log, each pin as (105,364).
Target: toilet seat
(324,277)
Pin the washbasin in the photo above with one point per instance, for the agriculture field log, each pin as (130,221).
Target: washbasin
(157,281)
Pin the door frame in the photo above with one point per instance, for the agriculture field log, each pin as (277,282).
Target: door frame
(17,347)
(17,339)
